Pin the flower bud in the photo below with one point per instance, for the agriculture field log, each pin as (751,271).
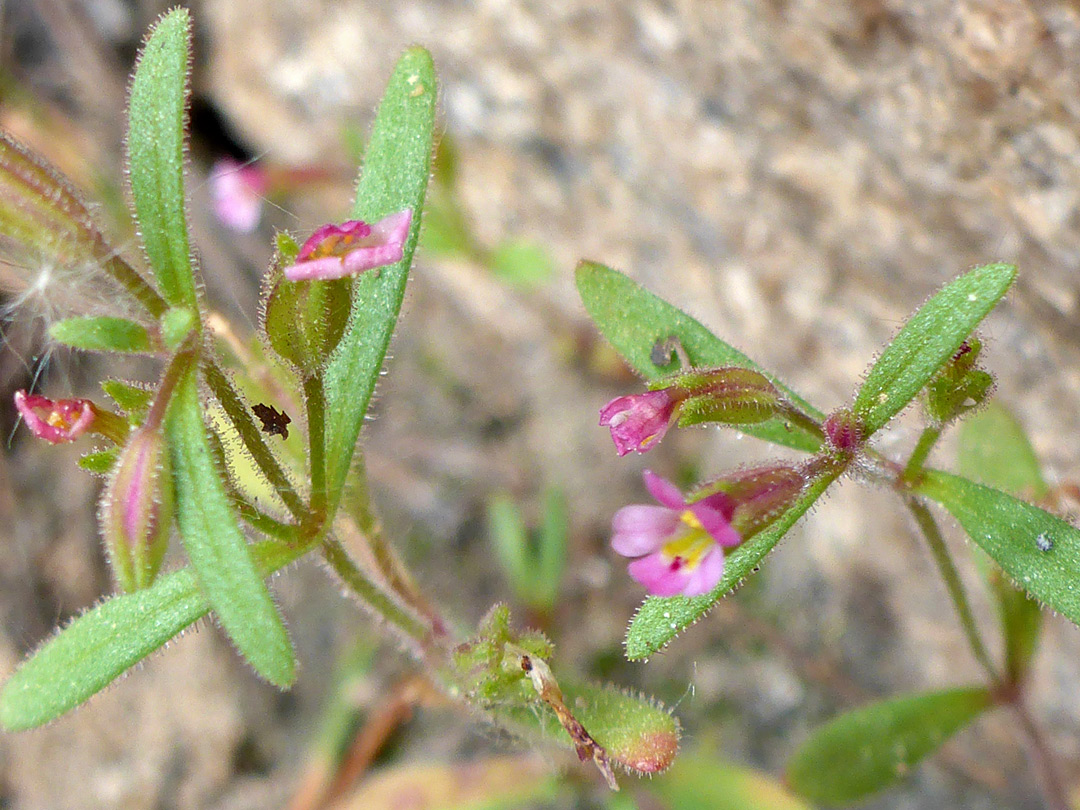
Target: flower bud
(960,385)
(337,251)
(844,431)
(55,421)
(137,508)
(759,496)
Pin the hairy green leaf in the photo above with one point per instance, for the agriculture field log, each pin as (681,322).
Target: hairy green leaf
(865,750)
(662,618)
(156,124)
(994,450)
(101,644)
(395,176)
(929,338)
(101,334)
(1040,553)
(638,324)
(216,546)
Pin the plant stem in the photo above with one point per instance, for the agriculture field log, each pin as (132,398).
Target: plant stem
(315,402)
(926,443)
(955,587)
(370,593)
(242,420)
(792,414)
(1050,778)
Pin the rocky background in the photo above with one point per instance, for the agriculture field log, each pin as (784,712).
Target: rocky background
(798,175)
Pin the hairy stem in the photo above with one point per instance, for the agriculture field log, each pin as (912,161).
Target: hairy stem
(315,403)
(914,468)
(947,569)
(1050,778)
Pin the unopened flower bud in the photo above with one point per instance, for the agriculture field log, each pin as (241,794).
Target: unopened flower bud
(55,421)
(137,508)
(959,386)
(844,431)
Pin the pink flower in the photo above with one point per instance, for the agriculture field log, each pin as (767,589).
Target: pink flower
(336,251)
(61,421)
(678,546)
(237,190)
(638,421)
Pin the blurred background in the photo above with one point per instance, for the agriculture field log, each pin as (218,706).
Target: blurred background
(797,174)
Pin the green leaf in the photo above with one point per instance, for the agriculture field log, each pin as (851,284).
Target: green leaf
(101,334)
(1039,552)
(395,176)
(510,538)
(661,618)
(702,780)
(156,124)
(862,751)
(101,644)
(132,399)
(994,450)
(929,338)
(216,546)
(635,321)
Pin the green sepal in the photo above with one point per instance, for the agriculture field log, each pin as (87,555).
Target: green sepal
(216,546)
(486,666)
(635,322)
(661,618)
(157,120)
(131,398)
(865,750)
(927,341)
(101,644)
(395,176)
(102,334)
(304,321)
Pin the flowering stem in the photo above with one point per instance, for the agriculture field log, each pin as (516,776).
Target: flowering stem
(315,402)
(370,593)
(947,568)
(927,440)
(1050,778)
(127,277)
(249,433)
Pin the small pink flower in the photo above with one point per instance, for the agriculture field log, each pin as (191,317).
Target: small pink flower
(336,251)
(61,421)
(679,546)
(238,190)
(639,421)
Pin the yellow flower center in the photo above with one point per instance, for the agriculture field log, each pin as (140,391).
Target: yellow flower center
(689,548)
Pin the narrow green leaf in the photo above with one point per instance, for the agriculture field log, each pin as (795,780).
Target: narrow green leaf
(101,334)
(702,780)
(662,618)
(994,450)
(132,398)
(216,546)
(101,644)
(99,462)
(635,322)
(929,338)
(395,176)
(866,750)
(510,538)
(1040,553)
(156,124)
(554,536)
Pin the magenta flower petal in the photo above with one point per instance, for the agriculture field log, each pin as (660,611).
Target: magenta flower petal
(61,421)
(237,191)
(717,524)
(664,491)
(707,574)
(660,575)
(336,251)
(638,421)
(638,530)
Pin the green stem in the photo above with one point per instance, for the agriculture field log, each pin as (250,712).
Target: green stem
(127,277)
(245,425)
(947,569)
(915,465)
(370,593)
(315,401)
(794,415)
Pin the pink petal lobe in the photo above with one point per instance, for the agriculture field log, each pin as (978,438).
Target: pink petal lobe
(707,574)
(638,529)
(658,576)
(664,491)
